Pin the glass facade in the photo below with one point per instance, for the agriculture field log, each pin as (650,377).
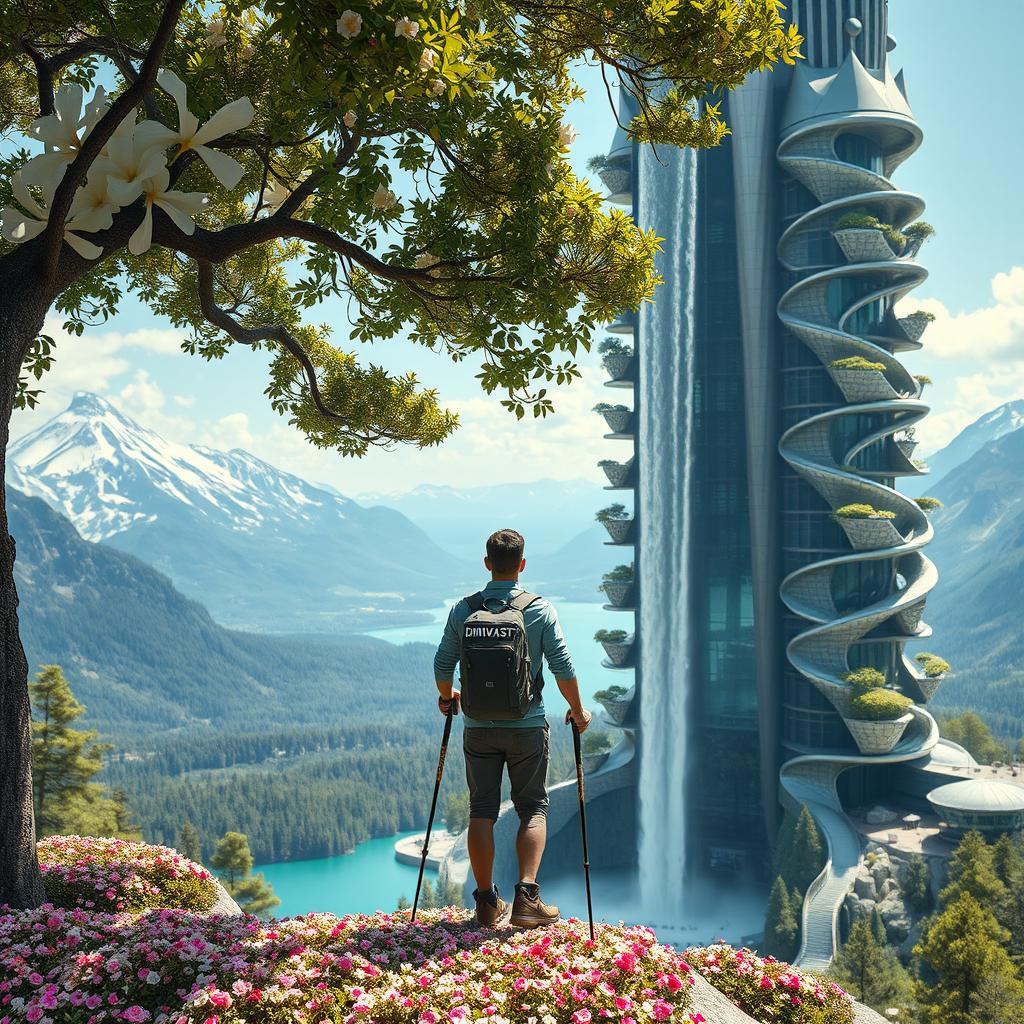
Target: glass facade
(729,823)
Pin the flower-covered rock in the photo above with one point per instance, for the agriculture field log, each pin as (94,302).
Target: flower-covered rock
(118,875)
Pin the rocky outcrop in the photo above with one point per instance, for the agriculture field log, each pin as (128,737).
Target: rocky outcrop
(879,885)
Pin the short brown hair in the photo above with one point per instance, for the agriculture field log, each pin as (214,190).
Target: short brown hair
(505,550)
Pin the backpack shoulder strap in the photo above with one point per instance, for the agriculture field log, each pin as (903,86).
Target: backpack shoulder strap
(475,601)
(523,601)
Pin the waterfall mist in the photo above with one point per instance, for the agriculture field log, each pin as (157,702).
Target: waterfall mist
(668,203)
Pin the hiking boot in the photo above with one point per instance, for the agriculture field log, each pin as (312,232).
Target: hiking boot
(529,910)
(491,910)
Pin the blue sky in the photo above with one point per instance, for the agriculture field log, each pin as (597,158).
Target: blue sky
(963,86)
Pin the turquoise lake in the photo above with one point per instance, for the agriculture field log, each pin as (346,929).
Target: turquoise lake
(362,882)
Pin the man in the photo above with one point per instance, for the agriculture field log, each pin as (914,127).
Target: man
(517,737)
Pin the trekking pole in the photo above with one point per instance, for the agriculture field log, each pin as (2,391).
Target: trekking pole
(583,820)
(433,805)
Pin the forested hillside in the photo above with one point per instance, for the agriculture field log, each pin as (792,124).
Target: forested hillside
(144,658)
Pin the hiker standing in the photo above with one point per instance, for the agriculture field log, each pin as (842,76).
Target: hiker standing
(498,637)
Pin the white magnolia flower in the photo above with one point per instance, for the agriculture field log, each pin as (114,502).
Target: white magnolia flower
(215,37)
(350,24)
(349,119)
(275,193)
(181,207)
(63,132)
(406,28)
(92,208)
(436,87)
(230,118)
(17,226)
(567,135)
(384,198)
(426,60)
(127,161)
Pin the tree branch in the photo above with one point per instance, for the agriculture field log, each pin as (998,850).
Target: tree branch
(277,333)
(44,77)
(101,133)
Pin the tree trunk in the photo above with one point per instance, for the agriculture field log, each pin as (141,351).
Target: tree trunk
(22,309)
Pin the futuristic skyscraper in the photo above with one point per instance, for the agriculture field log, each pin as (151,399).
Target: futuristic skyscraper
(774,554)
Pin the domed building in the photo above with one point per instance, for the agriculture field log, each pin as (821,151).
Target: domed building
(982,804)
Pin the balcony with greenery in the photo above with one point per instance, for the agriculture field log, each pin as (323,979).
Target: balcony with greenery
(617,521)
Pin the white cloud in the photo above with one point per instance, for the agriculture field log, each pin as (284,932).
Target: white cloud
(995,330)
(233,431)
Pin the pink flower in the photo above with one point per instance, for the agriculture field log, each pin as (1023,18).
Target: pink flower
(662,1010)
(136,1014)
(582,1016)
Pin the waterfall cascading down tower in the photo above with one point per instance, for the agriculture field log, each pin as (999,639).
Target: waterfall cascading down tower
(667,189)
(845,131)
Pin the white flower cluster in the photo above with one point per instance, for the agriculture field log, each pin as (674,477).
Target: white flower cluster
(132,165)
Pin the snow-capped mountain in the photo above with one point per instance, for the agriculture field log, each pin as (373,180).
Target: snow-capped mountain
(993,425)
(261,547)
(107,473)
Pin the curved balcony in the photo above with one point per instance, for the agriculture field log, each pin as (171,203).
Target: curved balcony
(621,531)
(621,475)
(843,314)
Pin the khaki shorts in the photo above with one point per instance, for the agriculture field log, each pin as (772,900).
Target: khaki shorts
(525,751)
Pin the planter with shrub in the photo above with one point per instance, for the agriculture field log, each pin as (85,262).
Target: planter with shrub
(620,474)
(868,528)
(617,521)
(877,717)
(914,324)
(861,380)
(616,701)
(618,417)
(617,645)
(595,746)
(928,504)
(617,358)
(617,174)
(618,585)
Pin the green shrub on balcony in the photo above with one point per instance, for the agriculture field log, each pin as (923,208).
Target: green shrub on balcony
(603,407)
(862,680)
(863,221)
(610,636)
(859,510)
(922,379)
(613,346)
(613,514)
(919,231)
(856,363)
(879,705)
(928,504)
(932,664)
(604,162)
(921,314)
(620,574)
(595,742)
(611,695)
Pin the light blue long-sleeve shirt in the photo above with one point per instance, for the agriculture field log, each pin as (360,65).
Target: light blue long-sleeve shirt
(543,636)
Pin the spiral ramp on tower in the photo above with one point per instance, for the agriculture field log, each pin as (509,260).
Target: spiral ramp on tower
(847,130)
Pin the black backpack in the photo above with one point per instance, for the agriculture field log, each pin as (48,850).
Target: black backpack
(494,660)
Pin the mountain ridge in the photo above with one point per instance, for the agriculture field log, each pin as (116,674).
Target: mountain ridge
(259,546)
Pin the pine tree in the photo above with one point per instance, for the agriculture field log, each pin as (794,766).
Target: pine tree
(972,870)
(403,903)
(449,894)
(878,927)
(189,844)
(428,901)
(780,926)
(1008,861)
(870,970)
(799,851)
(233,860)
(65,761)
(963,949)
(917,885)
(124,827)
(456,812)
(808,851)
